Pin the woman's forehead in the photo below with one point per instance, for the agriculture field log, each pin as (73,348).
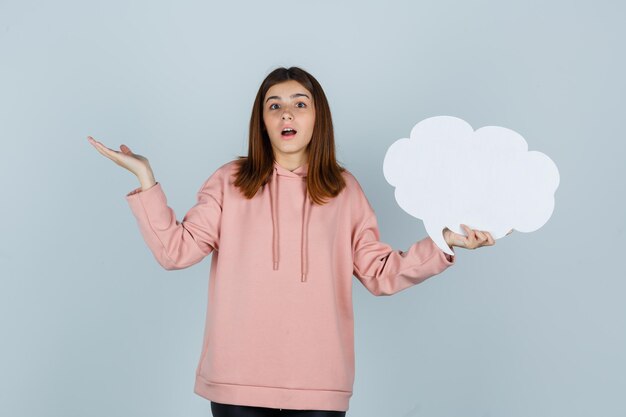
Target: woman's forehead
(287,89)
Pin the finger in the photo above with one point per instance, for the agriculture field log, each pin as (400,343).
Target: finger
(460,241)
(94,142)
(480,238)
(470,240)
(109,153)
(126,149)
(99,146)
(454,237)
(103,149)
(490,240)
(472,235)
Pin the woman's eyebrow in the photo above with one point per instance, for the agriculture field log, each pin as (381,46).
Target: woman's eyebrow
(292,96)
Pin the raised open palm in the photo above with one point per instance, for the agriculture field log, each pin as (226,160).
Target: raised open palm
(135,163)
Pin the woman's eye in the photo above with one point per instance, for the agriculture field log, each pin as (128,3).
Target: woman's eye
(272,106)
(301,102)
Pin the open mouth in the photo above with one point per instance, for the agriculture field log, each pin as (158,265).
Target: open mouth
(288,132)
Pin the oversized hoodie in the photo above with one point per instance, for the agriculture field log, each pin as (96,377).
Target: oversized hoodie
(279,325)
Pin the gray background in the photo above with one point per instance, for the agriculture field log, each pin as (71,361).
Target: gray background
(91,325)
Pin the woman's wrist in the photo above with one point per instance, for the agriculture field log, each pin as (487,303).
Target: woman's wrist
(146,180)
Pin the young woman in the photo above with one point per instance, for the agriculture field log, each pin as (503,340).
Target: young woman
(288,227)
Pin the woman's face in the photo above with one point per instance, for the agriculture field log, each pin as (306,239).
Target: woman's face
(289,104)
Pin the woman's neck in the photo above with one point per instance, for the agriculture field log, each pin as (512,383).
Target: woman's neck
(291,163)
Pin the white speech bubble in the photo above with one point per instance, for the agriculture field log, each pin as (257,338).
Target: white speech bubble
(447,174)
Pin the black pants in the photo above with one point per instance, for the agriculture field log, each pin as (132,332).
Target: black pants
(229,410)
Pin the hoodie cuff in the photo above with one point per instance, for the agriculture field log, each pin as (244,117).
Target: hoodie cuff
(151,206)
(447,259)
(138,190)
(151,202)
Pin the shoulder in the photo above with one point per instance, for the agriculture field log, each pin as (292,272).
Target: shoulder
(221,177)
(353,192)
(352,184)
(356,201)
(229,168)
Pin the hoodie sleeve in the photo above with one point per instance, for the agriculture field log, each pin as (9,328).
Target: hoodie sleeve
(385,271)
(174,244)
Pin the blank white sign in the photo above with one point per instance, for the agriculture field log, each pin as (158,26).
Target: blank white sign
(446,174)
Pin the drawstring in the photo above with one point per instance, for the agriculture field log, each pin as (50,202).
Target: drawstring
(305,227)
(305,238)
(273,198)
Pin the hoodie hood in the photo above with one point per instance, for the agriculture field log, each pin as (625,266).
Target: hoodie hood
(280,174)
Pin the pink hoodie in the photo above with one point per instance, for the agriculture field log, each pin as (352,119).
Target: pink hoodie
(279,326)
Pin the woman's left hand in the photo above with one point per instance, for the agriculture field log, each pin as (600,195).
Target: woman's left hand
(474,239)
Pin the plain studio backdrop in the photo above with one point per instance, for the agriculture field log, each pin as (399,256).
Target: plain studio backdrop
(91,325)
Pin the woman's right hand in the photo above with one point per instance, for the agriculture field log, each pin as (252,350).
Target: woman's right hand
(133,162)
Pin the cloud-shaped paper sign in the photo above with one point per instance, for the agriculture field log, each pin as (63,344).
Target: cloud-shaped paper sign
(447,174)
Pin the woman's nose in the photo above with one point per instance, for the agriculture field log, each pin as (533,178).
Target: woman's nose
(287,115)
